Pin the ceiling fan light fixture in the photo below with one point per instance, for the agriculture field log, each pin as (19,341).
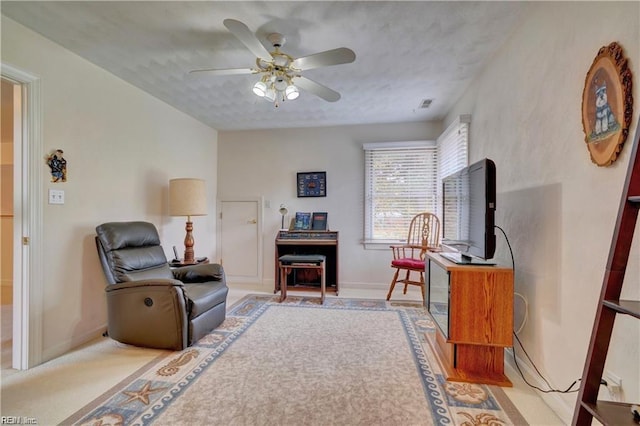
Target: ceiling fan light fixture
(280,84)
(270,95)
(260,89)
(291,92)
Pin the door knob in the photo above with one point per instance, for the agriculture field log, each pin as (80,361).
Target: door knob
(252,221)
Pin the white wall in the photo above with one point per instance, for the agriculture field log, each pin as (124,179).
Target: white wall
(122,147)
(557,208)
(265,163)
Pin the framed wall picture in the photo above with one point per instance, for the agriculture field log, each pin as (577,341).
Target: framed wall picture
(312,184)
(607,104)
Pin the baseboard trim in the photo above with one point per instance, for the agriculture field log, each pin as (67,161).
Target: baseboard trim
(269,284)
(72,343)
(553,400)
(355,285)
(244,279)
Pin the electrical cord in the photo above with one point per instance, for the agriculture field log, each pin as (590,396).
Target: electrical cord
(515,334)
(551,389)
(513,265)
(526,312)
(513,262)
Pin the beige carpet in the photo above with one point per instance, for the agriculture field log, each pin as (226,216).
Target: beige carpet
(348,362)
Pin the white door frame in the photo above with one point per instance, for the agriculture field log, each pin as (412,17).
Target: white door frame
(259,201)
(28,280)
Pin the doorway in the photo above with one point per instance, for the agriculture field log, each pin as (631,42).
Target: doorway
(8,92)
(26,245)
(240,240)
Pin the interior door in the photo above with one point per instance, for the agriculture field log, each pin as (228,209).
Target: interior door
(240,239)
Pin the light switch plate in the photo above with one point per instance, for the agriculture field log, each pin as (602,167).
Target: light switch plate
(56,196)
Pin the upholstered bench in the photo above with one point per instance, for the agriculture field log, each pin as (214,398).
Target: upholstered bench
(289,262)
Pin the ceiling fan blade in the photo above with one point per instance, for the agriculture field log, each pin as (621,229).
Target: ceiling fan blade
(341,55)
(316,88)
(244,34)
(226,71)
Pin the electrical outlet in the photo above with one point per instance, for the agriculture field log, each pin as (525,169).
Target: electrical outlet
(56,196)
(612,379)
(614,385)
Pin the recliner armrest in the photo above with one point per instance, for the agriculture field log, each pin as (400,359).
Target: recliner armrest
(168,282)
(199,273)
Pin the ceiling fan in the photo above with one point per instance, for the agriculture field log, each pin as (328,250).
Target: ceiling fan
(280,73)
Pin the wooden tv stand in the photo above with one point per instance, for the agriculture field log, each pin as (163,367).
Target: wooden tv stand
(472,307)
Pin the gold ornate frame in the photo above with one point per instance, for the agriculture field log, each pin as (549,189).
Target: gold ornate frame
(607,104)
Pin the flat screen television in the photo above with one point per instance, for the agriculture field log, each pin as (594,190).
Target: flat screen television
(468,213)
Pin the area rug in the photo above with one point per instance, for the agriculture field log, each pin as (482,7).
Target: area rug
(347,362)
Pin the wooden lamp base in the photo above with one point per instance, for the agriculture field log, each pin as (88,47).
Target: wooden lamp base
(189,256)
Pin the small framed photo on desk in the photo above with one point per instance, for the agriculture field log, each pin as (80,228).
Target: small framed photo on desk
(312,184)
(319,221)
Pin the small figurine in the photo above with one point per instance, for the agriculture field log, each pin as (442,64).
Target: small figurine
(58,166)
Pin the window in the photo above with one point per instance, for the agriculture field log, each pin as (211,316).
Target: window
(452,152)
(400,182)
(403,179)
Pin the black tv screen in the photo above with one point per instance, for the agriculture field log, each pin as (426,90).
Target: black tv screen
(468,212)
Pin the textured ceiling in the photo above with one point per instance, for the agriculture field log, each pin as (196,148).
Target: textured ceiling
(405,52)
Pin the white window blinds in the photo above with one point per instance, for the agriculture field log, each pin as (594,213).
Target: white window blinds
(400,182)
(453,152)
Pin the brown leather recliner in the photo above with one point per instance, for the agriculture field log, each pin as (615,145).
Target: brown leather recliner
(148,303)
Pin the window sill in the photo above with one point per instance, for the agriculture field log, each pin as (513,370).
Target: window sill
(380,244)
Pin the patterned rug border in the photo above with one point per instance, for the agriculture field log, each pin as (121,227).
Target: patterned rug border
(433,394)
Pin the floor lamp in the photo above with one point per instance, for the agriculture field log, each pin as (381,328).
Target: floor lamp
(187,197)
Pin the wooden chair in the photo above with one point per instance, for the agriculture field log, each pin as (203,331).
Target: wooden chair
(424,234)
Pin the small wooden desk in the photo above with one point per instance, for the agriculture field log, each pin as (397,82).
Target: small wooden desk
(309,242)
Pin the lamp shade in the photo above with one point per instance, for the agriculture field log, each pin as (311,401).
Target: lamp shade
(260,89)
(187,197)
(292,92)
(270,94)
